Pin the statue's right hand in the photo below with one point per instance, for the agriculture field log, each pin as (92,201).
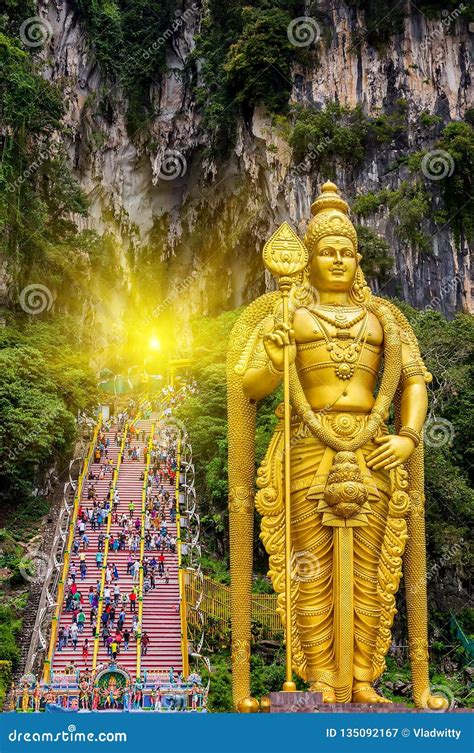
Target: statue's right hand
(274,343)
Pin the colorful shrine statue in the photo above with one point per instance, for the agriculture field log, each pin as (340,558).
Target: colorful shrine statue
(357,489)
(25,698)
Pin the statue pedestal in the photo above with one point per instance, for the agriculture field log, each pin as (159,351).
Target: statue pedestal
(307,702)
(295,703)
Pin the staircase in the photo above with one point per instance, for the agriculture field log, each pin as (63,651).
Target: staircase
(160,616)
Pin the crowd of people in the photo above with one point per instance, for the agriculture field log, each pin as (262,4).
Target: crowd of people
(118,624)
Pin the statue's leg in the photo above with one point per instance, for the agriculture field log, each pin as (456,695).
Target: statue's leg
(313,548)
(368,541)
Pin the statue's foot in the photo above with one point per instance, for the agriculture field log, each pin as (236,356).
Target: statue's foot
(437,703)
(362,693)
(329,696)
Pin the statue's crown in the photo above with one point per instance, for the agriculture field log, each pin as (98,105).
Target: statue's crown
(329,217)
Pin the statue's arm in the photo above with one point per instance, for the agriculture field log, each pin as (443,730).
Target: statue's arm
(258,382)
(265,368)
(414,395)
(395,449)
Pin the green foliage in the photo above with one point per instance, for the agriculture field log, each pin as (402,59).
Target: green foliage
(427,120)
(377,260)
(458,140)
(5,680)
(335,135)
(220,692)
(217,569)
(244,59)
(267,674)
(447,12)
(43,383)
(38,194)
(258,63)
(13,13)
(447,347)
(456,162)
(10,626)
(369,203)
(205,417)
(129,41)
(408,206)
(389,126)
(330,136)
(26,99)
(379,25)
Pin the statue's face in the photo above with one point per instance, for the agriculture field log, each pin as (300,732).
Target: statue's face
(334,264)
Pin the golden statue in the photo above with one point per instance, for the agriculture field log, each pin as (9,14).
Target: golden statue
(341,499)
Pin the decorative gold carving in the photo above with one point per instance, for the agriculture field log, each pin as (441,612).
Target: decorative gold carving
(345,492)
(285,254)
(330,217)
(241,499)
(240,651)
(419,650)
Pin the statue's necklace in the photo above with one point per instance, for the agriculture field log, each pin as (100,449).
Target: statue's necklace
(340,318)
(344,355)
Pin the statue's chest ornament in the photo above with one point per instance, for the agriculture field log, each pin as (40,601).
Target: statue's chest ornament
(343,349)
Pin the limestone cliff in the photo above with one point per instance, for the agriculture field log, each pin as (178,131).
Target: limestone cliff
(214,215)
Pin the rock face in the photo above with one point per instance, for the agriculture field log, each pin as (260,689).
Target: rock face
(212,218)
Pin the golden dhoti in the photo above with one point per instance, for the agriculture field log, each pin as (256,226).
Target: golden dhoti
(313,544)
(342,613)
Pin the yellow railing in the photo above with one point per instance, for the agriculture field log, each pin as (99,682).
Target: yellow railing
(106,549)
(67,552)
(182,590)
(142,552)
(215,603)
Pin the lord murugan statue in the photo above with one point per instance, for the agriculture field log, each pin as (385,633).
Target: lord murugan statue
(353,517)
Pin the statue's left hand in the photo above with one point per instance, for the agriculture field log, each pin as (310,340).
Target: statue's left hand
(393,451)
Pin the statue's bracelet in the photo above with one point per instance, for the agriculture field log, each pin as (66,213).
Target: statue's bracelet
(271,368)
(407,431)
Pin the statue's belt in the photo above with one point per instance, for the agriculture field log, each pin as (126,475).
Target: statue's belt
(341,485)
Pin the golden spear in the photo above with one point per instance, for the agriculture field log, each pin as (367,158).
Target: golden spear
(285,255)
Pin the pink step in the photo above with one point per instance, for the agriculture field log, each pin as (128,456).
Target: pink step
(160,619)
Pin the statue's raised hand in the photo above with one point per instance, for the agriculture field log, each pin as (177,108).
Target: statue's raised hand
(274,343)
